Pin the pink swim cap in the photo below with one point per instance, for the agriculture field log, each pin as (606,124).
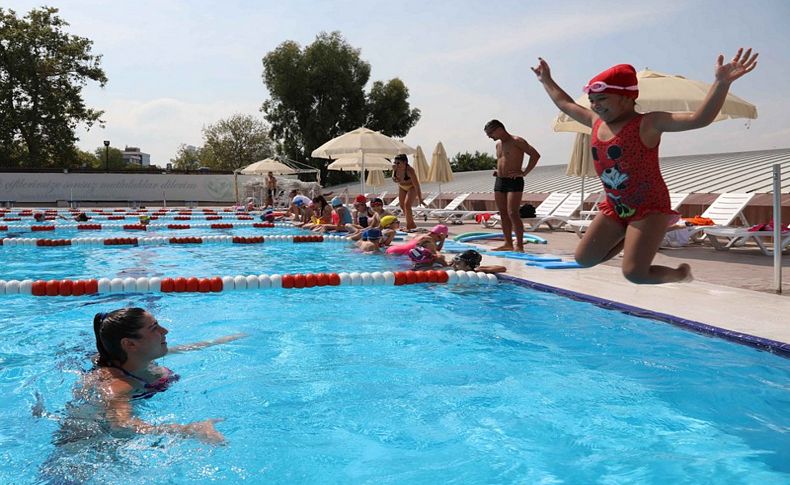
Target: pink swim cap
(421,255)
(440,229)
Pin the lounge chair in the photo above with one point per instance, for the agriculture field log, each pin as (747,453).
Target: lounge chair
(454,212)
(738,236)
(543,209)
(561,215)
(724,211)
(425,209)
(579,226)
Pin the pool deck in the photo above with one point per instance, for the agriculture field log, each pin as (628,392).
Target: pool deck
(732,291)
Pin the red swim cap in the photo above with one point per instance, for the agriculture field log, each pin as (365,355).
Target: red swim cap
(361,199)
(619,79)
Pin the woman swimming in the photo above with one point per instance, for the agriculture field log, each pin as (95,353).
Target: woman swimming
(128,341)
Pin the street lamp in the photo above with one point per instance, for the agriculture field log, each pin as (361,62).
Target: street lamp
(106,155)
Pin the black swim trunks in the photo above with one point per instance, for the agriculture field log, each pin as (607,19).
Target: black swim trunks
(504,184)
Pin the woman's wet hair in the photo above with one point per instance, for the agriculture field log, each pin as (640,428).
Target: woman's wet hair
(111,328)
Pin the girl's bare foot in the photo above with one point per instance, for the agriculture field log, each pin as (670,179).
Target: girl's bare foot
(685,271)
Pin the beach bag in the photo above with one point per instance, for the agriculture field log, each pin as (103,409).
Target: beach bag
(527,211)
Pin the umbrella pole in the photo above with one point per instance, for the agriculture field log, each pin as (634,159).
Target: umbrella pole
(362,176)
(582,195)
(777,200)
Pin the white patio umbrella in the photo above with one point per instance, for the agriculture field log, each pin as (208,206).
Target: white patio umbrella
(262,167)
(376,178)
(420,164)
(441,171)
(354,164)
(362,142)
(581,162)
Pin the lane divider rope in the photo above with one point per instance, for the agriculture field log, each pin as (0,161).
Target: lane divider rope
(161,240)
(217,284)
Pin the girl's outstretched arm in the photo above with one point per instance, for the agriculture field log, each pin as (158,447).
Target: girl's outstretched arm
(741,64)
(564,102)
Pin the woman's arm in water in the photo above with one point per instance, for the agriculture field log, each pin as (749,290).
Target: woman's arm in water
(120,416)
(206,343)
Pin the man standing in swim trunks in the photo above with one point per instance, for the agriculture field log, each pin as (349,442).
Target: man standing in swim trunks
(509,184)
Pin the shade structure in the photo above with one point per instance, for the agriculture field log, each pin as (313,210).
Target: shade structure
(354,163)
(581,163)
(420,164)
(667,92)
(376,178)
(262,167)
(362,142)
(441,171)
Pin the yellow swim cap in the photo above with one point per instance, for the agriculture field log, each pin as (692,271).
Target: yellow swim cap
(387,220)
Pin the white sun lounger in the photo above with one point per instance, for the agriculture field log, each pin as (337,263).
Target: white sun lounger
(544,209)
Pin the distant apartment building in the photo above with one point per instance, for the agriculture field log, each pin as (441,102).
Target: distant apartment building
(133,156)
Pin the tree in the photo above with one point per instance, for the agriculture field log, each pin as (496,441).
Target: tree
(467,162)
(318,93)
(42,72)
(388,108)
(111,154)
(190,157)
(235,142)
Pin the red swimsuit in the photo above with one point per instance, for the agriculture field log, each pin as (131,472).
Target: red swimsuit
(630,175)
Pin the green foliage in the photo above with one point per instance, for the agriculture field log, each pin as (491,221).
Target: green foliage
(318,93)
(190,157)
(42,72)
(388,109)
(468,162)
(235,142)
(112,155)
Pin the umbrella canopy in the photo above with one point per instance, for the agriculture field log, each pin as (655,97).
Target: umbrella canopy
(440,172)
(581,163)
(420,164)
(666,92)
(376,178)
(354,163)
(362,141)
(262,167)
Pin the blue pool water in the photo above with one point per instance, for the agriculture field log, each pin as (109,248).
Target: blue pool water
(416,384)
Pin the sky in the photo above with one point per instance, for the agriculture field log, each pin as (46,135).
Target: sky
(177,66)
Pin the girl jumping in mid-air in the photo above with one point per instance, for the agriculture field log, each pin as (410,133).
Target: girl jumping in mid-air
(636,213)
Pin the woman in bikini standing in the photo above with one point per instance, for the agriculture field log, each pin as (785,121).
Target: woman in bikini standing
(408,189)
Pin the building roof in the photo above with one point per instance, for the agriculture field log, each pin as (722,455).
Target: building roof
(707,173)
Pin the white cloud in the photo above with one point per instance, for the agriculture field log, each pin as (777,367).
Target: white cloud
(158,126)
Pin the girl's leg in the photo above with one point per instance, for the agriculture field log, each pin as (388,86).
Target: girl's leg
(642,240)
(602,241)
(406,204)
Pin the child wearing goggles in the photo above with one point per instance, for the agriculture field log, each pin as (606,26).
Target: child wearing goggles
(636,213)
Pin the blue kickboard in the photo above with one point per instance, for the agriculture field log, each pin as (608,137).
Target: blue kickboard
(527,256)
(528,238)
(554,264)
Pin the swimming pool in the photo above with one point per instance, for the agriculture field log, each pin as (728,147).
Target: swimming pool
(425,383)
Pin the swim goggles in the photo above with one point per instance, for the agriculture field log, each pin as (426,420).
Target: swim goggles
(600,86)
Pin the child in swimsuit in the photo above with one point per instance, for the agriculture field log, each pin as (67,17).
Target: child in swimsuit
(636,213)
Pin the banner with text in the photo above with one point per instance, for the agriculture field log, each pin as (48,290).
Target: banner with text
(51,187)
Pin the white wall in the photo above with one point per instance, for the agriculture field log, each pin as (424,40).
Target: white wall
(50,187)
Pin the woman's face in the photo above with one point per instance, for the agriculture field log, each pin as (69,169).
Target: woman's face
(152,341)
